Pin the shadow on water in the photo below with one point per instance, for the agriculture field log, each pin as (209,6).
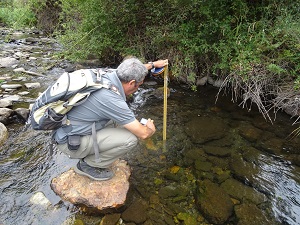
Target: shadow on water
(222,165)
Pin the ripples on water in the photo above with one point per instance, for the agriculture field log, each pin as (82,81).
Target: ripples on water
(280,180)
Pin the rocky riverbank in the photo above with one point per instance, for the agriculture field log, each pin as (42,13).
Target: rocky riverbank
(27,65)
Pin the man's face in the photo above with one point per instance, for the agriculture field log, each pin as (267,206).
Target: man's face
(131,87)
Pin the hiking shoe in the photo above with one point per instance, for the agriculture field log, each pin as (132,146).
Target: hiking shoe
(94,173)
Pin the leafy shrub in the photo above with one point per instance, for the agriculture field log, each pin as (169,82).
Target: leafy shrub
(199,37)
(16,16)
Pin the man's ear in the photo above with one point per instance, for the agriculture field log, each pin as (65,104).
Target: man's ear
(132,82)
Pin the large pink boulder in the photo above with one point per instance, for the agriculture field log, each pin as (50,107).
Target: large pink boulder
(101,195)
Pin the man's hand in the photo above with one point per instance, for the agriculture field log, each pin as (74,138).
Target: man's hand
(140,130)
(150,125)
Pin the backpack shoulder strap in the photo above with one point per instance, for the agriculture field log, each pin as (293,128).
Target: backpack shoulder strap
(108,85)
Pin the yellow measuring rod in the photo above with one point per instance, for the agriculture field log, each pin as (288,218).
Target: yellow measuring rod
(165,103)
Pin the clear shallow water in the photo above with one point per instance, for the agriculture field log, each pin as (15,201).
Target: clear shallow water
(27,167)
(280,179)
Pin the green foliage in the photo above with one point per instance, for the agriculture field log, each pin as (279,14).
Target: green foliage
(16,15)
(199,37)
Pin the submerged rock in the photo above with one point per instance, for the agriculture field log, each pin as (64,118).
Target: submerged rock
(243,170)
(250,214)
(109,219)
(242,192)
(205,129)
(101,195)
(136,212)
(214,202)
(218,151)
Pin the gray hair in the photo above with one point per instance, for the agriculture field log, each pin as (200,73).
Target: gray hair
(132,69)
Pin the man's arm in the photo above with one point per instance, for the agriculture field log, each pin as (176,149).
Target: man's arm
(141,131)
(156,64)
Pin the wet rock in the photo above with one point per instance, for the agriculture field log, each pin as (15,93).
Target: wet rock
(249,214)
(191,155)
(22,113)
(202,81)
(172,191)
(203,166)
(101,195)
(242,192)
(205,129)
(8,62)
(292,146)
(5,114)
(220,174)
(19,70)
(5,78)
(187,218)
(11,86)
(40,199)
(23,93)
(217,151)
(292,110)
(251,154)
(19,55)
(227,141)
(159,92)
(175,175)
(272,145)
(13,98)
(110,219)
(73,221)
(136,212)
(214,202)
(295,159)
(249,132)
(19,79)
(3,133)
(158,217)
(31,40)
(218,83)
(210,80)
(243,170)
(32,85)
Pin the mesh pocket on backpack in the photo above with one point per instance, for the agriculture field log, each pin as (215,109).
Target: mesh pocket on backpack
(51,120)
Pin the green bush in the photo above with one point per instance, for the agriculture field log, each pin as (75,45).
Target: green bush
(17,16)
(199,37)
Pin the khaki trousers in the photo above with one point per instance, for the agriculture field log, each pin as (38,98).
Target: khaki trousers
(113,144)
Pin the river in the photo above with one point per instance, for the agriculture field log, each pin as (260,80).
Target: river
(214,151)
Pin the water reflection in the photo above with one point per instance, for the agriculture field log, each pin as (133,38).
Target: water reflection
(279,179)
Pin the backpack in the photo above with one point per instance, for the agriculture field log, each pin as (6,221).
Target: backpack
(71,89)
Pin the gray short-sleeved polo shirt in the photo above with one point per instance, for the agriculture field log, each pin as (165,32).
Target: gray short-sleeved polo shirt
(100,107)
